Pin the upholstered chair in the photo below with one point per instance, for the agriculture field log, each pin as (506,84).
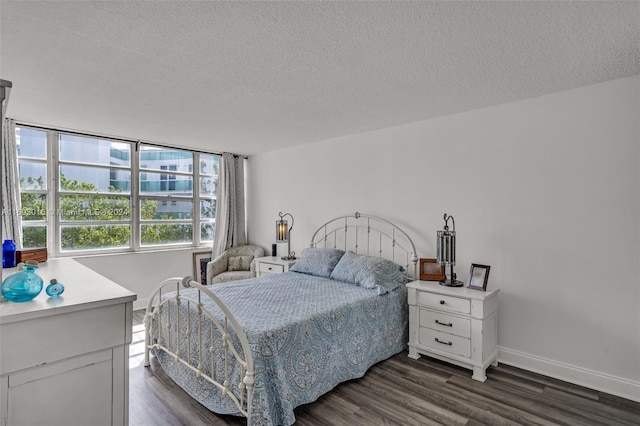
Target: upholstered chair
(236,263)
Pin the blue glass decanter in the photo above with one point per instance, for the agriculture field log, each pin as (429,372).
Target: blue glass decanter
(24,285)
(54,289)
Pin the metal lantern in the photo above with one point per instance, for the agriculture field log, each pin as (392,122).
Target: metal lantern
(446,252)
(283,234)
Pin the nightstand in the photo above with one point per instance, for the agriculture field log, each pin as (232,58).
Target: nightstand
(456,325)
(272,265)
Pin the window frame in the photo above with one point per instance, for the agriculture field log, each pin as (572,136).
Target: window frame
(54,222)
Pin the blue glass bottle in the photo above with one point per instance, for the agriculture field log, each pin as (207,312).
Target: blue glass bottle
(24,285)
(54,289)
(8,254)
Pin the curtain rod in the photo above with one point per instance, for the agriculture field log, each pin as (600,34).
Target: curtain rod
(115,138)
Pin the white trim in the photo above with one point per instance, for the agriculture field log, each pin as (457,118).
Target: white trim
(592,379)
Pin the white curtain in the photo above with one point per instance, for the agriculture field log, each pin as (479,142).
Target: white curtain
(11,226)
(230,221)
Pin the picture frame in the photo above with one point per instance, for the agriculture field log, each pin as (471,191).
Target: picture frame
(200,260)
(478,277)
(430,270)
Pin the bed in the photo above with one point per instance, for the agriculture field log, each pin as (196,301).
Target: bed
(262,346)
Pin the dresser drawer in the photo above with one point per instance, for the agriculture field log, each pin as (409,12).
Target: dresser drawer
(445,323)
(270,268)
(445,342)
(447,303)
(41,341)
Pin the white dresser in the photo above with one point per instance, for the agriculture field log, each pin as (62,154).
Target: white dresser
(65,361)
(454,324)
(272,265)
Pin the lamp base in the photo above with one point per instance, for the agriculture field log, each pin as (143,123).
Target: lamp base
(452,283)
(288,258)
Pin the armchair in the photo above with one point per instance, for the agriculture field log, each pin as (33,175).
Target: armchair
(236,263)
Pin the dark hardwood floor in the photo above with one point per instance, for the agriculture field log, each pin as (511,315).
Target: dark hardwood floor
(398,391)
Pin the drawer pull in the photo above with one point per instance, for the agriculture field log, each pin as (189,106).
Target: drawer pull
(269,268)
(442,323)
(444,343)
(442,302)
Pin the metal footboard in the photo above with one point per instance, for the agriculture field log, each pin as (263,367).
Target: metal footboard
(158,322)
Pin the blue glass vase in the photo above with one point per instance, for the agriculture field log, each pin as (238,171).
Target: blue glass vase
(24,285)
(54,289)
(8,254)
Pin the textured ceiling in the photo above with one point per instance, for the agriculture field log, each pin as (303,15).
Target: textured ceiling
(250,77)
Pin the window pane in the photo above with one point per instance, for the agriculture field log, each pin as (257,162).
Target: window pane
(209,164)
(152,209)
(208,186)
(32,175)
(94,237)
(206,231)
(31,143)
(94,179)
(165,184)
(169,233)
(94,207)
(207,209)
(34,236)
(34,206)
(155,158)
(94,151)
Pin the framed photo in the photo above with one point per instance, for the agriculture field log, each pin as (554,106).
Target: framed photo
(430,270)
(478,277)
(200,260)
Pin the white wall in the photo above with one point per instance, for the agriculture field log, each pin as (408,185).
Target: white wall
(141,272)
(545,190)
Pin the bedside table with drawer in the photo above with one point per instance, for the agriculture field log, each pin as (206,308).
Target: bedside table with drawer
(272,265)
(454,324)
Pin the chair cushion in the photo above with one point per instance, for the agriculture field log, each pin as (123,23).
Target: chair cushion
(239,263)
(231,276)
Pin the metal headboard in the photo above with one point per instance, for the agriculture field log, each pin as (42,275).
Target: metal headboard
(370,235)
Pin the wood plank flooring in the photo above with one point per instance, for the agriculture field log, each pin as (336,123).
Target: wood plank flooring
(398,391)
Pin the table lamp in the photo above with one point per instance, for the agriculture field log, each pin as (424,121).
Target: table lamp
(446,252)
(283,234)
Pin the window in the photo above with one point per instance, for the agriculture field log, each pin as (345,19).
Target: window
(32,169)
(208,180)
(92,195)
(161,223)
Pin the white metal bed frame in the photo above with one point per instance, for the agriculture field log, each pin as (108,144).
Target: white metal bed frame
(373,231)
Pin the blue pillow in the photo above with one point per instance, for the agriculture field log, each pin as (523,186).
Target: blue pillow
(369,272)
(318,261)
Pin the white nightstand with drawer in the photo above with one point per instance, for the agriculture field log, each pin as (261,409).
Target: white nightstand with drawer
(272,265)
(457,325)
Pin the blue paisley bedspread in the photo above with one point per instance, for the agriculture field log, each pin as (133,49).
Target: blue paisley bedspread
(307,335)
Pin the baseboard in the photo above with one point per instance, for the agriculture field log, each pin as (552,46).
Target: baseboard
(140,304)
(602,382)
